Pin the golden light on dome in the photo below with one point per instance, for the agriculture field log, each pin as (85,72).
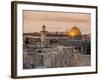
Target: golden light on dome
(74,32)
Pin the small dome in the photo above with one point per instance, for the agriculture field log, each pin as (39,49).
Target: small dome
(74,32)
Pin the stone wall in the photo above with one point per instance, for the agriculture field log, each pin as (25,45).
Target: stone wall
(51,60)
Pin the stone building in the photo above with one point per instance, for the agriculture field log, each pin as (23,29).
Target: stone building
(53,49)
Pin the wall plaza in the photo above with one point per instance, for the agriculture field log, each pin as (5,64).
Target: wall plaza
(56,49)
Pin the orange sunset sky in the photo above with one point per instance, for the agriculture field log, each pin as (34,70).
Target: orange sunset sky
(56,21)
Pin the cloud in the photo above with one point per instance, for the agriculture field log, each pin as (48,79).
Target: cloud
(54,16)
(56,21)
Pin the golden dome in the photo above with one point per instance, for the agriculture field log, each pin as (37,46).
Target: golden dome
(74,32)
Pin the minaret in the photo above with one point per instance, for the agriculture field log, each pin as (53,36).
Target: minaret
(43,28)
(43,33)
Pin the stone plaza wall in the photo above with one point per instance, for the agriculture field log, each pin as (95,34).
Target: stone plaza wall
(51,60)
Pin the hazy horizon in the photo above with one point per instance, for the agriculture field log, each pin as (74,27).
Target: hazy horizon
(56,21)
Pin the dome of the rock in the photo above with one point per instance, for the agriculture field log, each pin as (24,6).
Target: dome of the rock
(75,32)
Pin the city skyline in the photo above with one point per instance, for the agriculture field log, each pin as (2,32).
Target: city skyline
(56,21)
